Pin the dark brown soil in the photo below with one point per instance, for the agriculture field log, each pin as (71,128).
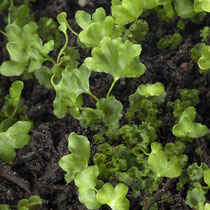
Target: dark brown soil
(35,169)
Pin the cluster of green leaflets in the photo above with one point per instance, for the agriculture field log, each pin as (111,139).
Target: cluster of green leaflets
(140,161)
(171,42)
(92,192)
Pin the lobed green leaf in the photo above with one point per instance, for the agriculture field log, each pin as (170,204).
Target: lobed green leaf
(112,57)
(74,163)
(127,11)
(160,163)
(114,197)
(71,86)
(15,137)
(186,126)
(96,29)
(207,177)
(86,182)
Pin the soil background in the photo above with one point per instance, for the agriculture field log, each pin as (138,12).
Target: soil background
(35,169)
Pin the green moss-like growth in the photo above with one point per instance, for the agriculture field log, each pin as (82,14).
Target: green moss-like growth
(171,42)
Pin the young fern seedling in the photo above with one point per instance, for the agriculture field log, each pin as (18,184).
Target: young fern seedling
(109,57)
(92,192)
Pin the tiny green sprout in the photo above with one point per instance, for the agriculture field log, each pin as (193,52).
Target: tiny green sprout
(186,127)
(205,34)
(156,90)
(196,52)
(34,202)
(203,61)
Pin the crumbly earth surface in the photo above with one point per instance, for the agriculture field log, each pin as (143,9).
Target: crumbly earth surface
(35,169)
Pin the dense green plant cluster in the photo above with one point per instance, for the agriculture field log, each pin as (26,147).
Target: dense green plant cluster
(131,153)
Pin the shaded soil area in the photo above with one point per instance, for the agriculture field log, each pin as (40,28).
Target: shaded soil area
(35,169)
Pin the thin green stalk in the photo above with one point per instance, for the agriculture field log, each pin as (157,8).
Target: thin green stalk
(63,48)
(144,151)
(92,95)
(111,87)
(10,9)
(72,30)
(3,33)
(48,58)
(85,108)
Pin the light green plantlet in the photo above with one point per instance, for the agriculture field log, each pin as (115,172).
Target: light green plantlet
(160,163)
(196,196)
(4,207)
(15,92)
(38,53)
(137,31)
(202,5)
(184,8)
(74,163)
(207,177)
(203,61)
(15,137)
(127,11)
(112,57)
(114,197)
(19,39)
(195,172)
(105,118)
(186,126)
(34,202)
(196,52)
(71,86)
(207,206)
(86,181)
(95,29)
(13,107)
(156,90)
(25,48)
(20,16)
(205,34)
